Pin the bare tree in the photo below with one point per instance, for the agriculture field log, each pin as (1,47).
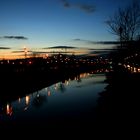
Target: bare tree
(126,22)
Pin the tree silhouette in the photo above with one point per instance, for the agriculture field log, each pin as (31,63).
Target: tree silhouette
(126,22)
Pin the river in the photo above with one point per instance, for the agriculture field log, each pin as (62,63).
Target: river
(68,103)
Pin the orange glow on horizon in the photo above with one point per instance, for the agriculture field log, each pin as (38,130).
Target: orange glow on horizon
(24,52)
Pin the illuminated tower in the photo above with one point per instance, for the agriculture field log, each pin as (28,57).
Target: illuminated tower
(25,52)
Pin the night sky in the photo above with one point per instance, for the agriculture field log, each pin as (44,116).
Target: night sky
(48,23)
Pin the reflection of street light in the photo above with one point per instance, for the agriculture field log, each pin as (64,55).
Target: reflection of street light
(27,99)
(9,110)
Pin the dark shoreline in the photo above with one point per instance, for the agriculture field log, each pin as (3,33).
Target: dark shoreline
(118,104)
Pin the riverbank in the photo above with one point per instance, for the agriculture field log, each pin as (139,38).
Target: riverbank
(118,104)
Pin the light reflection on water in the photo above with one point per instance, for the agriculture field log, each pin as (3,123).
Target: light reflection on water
(70,98)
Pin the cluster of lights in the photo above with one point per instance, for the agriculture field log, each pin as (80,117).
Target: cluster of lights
(130,64)
(132,69)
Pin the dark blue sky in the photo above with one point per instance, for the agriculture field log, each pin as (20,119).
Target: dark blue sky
(47,23)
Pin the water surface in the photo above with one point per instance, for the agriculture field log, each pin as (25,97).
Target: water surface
(71,102)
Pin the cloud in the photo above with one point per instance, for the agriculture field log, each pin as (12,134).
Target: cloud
(84,40)
(97,42)
(77,39)
(66,3)
(102,49)
(107,42)
(22,51)
(4,48)
(84,7)
(14,37)
(61,47)
(101,52)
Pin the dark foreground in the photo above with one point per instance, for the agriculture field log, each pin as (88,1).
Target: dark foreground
(118,105)
(116,111)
